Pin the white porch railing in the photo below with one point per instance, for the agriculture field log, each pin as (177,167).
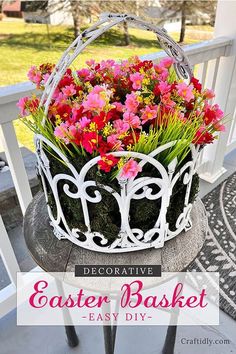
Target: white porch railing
(208,60)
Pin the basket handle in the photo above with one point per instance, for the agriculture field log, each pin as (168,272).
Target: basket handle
(107,21)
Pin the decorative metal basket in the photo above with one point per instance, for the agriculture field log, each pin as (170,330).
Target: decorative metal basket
(129,238)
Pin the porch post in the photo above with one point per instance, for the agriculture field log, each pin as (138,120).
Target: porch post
(213,156)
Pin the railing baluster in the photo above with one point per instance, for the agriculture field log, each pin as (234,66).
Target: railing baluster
(216,68)
(16,164)
(232,135)
(204,73)
(7,254)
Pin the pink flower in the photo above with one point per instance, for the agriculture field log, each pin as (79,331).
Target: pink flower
(130,169)
(148,113)
(120,126)
(164,75)
(83,73)
(60,97)
(94,102)
(166,62)
(107,64)
(164,87)
(22,106)
(209,94)
(132,120)
(114,142)
(131,103)
(61,132)
(34,75)
(84,122)
(56,93)
(185,91)
(98,89)
(219,127)
(45,78)
(218,112)
(166,100)
(91,62)
(119,106)
(69,91)
(136,80)
(117,70)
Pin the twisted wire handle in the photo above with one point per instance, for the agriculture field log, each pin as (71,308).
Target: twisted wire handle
(107,21)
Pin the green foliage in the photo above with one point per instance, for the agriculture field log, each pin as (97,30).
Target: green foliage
(183,132)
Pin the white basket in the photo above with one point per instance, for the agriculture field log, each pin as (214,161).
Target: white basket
(129,239)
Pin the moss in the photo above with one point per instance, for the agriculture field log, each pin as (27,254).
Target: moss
(104,216)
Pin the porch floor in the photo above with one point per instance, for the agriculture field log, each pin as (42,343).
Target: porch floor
(148,340)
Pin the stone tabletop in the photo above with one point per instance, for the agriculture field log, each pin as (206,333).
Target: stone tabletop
(54,255)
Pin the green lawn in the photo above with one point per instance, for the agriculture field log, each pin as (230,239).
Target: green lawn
(23,45)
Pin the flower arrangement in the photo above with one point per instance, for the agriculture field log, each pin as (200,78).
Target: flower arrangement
(118,142)
(133,105)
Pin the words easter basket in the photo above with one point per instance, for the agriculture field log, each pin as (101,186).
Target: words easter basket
(122,214)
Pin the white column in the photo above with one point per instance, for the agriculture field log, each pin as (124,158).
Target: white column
(16,164)
(8,255)
(225,25)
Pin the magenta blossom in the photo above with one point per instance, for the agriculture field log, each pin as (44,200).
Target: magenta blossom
(22,105)
(130,169)
(148,113)
(167,101)
(166,62)
(120,126)
(131,103)
(94,102)
(115,143)
(34,75)
(209,94)
(119,106)
(164,87)
(136,80)
(132,120)
(84,122)
(69,91)
(61,132)
(185,91)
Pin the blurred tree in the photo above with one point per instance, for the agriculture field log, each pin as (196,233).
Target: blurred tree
(129,7)
(81,9)
(86,9)
(187,8)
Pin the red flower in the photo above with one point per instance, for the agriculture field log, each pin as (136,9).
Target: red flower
(196,84)
(46,68)
(107,162)
(113,114)
(210,116)
(90,141)
(146,65)
(64,111)
(104,147)
(78,89)
(156,90)
(190,105)
(65,81)
(203,137)
(131,139)
(100,120)
(33,105)
(77,113)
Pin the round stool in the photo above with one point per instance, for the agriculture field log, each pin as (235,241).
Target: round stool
(54,255)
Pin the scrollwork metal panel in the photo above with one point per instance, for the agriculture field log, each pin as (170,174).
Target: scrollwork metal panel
(129,239)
